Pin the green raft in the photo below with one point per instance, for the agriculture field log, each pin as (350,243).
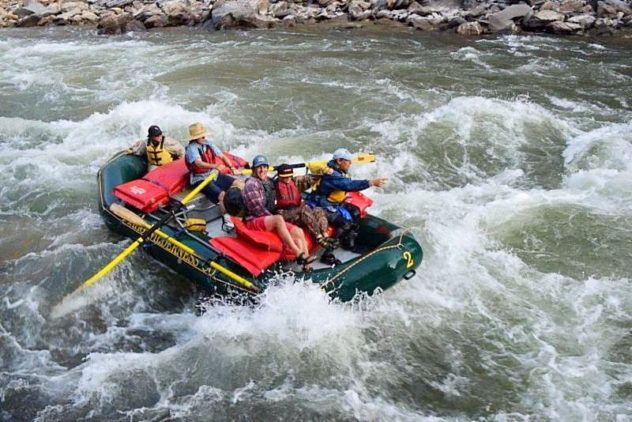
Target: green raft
(387,253)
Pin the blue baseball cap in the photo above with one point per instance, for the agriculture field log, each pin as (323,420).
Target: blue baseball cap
(343,153)
(260,160)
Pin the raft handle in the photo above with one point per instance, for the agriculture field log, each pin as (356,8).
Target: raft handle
(410,274)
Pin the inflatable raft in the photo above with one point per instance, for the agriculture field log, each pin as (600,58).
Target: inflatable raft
(132,201)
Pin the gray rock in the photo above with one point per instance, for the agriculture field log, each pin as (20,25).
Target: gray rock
(565,28)
(241,13)
(177,13)
(117,3)
(135,26)
(586,21)
(29,21)
(147,11)
(421,23)
(73,5)
(156,21)
(30,7)
(470,29)
(503,20)
(113,24)
(548,16)
(415,8)
(279,10)
(621,6)
(572,6)
(379,4)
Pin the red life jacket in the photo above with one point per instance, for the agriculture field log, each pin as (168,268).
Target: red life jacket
(208,156)
(287,195)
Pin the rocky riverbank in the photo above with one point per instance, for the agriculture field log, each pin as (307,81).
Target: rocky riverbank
(466,17)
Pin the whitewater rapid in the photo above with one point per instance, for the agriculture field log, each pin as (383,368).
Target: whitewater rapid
(510,158)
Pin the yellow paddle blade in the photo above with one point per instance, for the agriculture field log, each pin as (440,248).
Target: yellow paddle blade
(364,158)
(103,271)
(64,306)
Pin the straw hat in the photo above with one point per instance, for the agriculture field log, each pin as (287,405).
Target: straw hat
(197,131)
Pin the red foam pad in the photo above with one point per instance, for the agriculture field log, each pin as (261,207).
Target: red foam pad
(173,176)
(262,239)
(142,195)
(252,258)
(359,200)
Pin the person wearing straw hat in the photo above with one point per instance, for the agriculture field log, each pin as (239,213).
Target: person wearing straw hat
(202,157)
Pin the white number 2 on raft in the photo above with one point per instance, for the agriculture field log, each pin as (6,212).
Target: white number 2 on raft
(408,257)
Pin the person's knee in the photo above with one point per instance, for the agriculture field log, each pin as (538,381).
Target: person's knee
(276,221)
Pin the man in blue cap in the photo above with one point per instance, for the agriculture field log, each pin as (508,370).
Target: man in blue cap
(331,194)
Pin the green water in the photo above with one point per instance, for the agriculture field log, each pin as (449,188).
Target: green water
(509,157)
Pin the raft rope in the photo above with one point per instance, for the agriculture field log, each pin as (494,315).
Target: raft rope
(399,244)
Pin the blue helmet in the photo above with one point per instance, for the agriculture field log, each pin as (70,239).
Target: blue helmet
(260,160)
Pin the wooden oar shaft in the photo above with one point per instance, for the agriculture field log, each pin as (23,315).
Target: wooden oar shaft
(103,271)
(130,216)
(136,219)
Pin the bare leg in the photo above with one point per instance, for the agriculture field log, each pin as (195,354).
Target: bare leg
(299,237)
(220,202)
(275,223)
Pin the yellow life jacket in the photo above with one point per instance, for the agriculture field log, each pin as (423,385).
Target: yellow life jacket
(337,196)
(157,155)
(319,168)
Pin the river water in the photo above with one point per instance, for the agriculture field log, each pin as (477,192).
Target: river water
(509,157)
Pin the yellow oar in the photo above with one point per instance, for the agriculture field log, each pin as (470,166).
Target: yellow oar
(103,271)
(317,165)
(136,219)
(132,217)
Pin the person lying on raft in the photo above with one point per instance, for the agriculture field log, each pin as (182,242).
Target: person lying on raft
(158,149)
(259,201)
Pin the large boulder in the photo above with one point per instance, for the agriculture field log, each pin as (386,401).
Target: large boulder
(280,9)
(177,13)
(565,28)
(31,7)
(621,6)
(503,20)
(571,6)
(470,29)
(113,24)
(585,21)
(241,13)
(422,23)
